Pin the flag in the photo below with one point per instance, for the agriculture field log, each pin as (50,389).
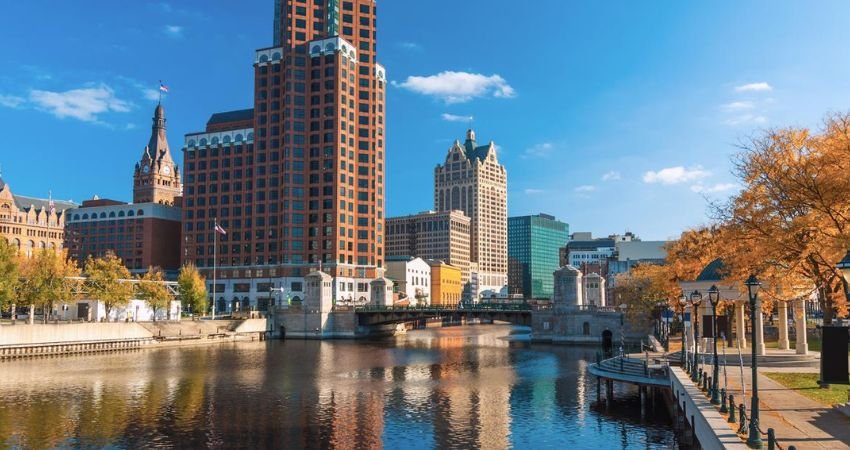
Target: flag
(163,88)
(219,229)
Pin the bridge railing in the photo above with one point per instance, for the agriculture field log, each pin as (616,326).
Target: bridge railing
(447,309)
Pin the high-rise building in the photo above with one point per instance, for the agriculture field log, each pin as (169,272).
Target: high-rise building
(473,181)
(297,181)
(145,233)
(533,246)
(442,236)
(30,223)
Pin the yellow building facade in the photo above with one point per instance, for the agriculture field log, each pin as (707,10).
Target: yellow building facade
(446,284)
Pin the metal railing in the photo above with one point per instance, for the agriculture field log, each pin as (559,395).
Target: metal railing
(447,309)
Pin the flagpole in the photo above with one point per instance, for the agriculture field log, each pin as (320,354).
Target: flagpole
(215,258)
(159,102)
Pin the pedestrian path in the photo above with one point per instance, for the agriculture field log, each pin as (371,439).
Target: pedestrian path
(796,419)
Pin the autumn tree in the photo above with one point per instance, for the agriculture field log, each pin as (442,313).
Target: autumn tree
(45,280)
(104,278)
(153,291)
(191,286)
(790,224)
(642,289)
(8,274)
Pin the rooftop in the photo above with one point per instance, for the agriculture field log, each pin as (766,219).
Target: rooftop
(231,116)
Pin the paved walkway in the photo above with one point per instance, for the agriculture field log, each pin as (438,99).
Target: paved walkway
(796,419)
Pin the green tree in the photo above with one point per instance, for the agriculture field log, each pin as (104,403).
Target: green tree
(153,291)
(44,280)
(104,277)
(192,288)
(8,274)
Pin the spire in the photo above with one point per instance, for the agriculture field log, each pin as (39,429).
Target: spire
(158,145)
(469,145)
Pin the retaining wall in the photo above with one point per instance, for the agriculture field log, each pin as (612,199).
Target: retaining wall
(40,334)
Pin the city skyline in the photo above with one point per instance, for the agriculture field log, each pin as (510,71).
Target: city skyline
(642,121)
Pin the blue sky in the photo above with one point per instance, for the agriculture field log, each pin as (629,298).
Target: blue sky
(612,116)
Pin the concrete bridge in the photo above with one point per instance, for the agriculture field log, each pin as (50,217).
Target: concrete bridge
(517,314)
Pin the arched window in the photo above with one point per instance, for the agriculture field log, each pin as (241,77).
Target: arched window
(103,215)
(85,216)
(264,58)
(112,214)
(214,140)
(140,213)
(203,141)
(131,213)
(226,139)
(76,217)
(251,136)
(238,137)
(121,214)
(276,56)
(330,47)
(316,49)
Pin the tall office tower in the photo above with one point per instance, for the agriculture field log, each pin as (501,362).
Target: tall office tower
(298,181)
(534,243)
(473,181)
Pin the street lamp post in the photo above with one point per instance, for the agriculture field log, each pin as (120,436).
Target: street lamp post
(683,301)
(714,298)
(696,299)
(754,439)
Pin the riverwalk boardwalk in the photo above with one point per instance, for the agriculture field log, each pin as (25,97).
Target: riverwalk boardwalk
(798,421)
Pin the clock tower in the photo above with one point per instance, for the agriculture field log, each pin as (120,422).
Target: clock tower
(156,178)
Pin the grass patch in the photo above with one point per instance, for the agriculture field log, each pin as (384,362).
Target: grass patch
(807,384)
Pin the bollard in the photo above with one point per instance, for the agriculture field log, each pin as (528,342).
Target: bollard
(742,418)
(771,439)
(731,408)
(705,382)
(723,409)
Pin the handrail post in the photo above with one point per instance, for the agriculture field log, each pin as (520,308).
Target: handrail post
(723,409)
(742,417)
(771,439)
(732,408)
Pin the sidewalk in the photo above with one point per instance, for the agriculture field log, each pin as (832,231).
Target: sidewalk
(796,419)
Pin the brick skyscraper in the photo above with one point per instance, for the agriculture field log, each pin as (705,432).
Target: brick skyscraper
(299,180)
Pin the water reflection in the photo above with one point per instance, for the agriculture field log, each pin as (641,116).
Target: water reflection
(469,387)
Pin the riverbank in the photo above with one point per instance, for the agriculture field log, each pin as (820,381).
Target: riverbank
(55,339)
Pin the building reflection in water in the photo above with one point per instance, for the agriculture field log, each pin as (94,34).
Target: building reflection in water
(464,387)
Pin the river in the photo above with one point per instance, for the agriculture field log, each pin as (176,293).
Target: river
(462,387)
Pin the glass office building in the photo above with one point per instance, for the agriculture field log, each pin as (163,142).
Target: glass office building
(533,246)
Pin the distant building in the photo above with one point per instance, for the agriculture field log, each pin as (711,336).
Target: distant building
(446,284)
(431,235)
(145,233)
(30,223)
(533,245)
(594,290)
(472,180)
(412,278)
(569,288)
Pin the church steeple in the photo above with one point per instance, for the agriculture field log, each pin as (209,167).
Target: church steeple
(157,177)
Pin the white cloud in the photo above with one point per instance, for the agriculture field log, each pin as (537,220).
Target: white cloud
(538,151)
(83,104)
(130,126)
(612,175)
(173,30)
(737,106)
(747,119)
(409,46)
(760,86)
(11,101)
(532,191)
(151,94)
(584,189)
(719,187)
(459,87)
(675,175)
(454,118)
